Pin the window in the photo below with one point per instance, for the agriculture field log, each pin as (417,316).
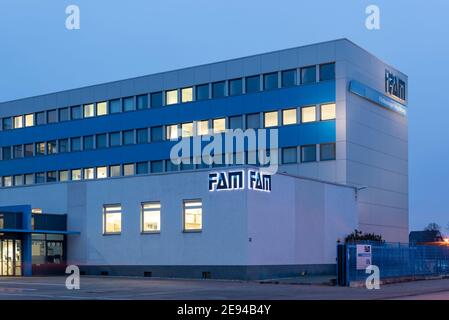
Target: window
(40,177)
(128,169)
(157,166)
(170,166)
(270,81)
(63,145)
(76,113)
(102,172)
(51,147)
(6,153)
(51,176)
(88,142)
(102,108)
(142,135)
(156,100)
(40,118)
(142,102)
(288,116)
(289,155)
(271,119)
(308,153)
(218,89)
(64,114)
(308,74)
(128,137)
(253,121)
(193,215)
(288,78)
(29,150)
(308,114)
(89,110)
(18,151)
(328,111)
(115,106)
(63,175)
(128,104)
(327,151)
(114,139)
(236,122)
(202,92)
(157,134)
(187,94)
(253,84)
(52,116)
(202,128)
(142,168)
(18,180)
(7,181)
(115,171)
(171,97)
(327,71)
(235,87)
(112,219)
(40,148)
(101,141)
(75,144)
(172,132)
(29,120)
(219,125)
(151,216)
(18,122)
(187,129)
(89,173)
(6,123)
(76,174)
(29,178)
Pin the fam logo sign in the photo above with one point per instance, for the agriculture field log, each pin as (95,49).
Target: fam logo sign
(235,180)
(394,86)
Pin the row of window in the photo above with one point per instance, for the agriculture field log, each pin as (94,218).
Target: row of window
(144,135)
(268,81)
(150,217)
(289,155)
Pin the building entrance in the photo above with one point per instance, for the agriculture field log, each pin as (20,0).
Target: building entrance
(10,257)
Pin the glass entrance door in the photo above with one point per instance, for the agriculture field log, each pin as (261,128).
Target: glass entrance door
(10,257)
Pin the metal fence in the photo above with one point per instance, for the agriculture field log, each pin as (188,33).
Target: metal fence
(394,260)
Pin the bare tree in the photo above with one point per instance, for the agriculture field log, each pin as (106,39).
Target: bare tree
(432,227)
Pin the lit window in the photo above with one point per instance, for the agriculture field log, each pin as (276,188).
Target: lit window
(89,173)
(29,178)
(102,172)
(308,74)
(328,111)
(171,97)
(128,169)
(102,108)
(18,122)
(172,132)
(18,180)
(202,128)
(308,114)
(193,213)
(128,104)
(40,148)
(289,116)
(7,181)
(308,153)
(89,110)
(187,129)
(76,174)
(271,119)
(63,175)
(112,219)
(219,125)
(115,171)
(29,120)
(289,155)
(51,147)
(327,71)
(187,94)
(327,151)
(52,116)
(151,217)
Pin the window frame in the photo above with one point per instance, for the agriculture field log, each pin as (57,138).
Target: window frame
(106,213)
(142,216)
(184,207)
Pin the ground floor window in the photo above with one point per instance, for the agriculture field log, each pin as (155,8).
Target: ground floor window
(151,217)
(47,249)
(112,219)
(193,215)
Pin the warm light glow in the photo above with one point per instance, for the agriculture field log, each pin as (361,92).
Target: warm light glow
(187,129)
(289,116)
(202,128)
(308,114)
(271,119)
(187,94)
(328,111)
(219,125)
(171,97)
(102,109)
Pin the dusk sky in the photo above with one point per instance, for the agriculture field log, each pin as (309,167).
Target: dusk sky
(123,39)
